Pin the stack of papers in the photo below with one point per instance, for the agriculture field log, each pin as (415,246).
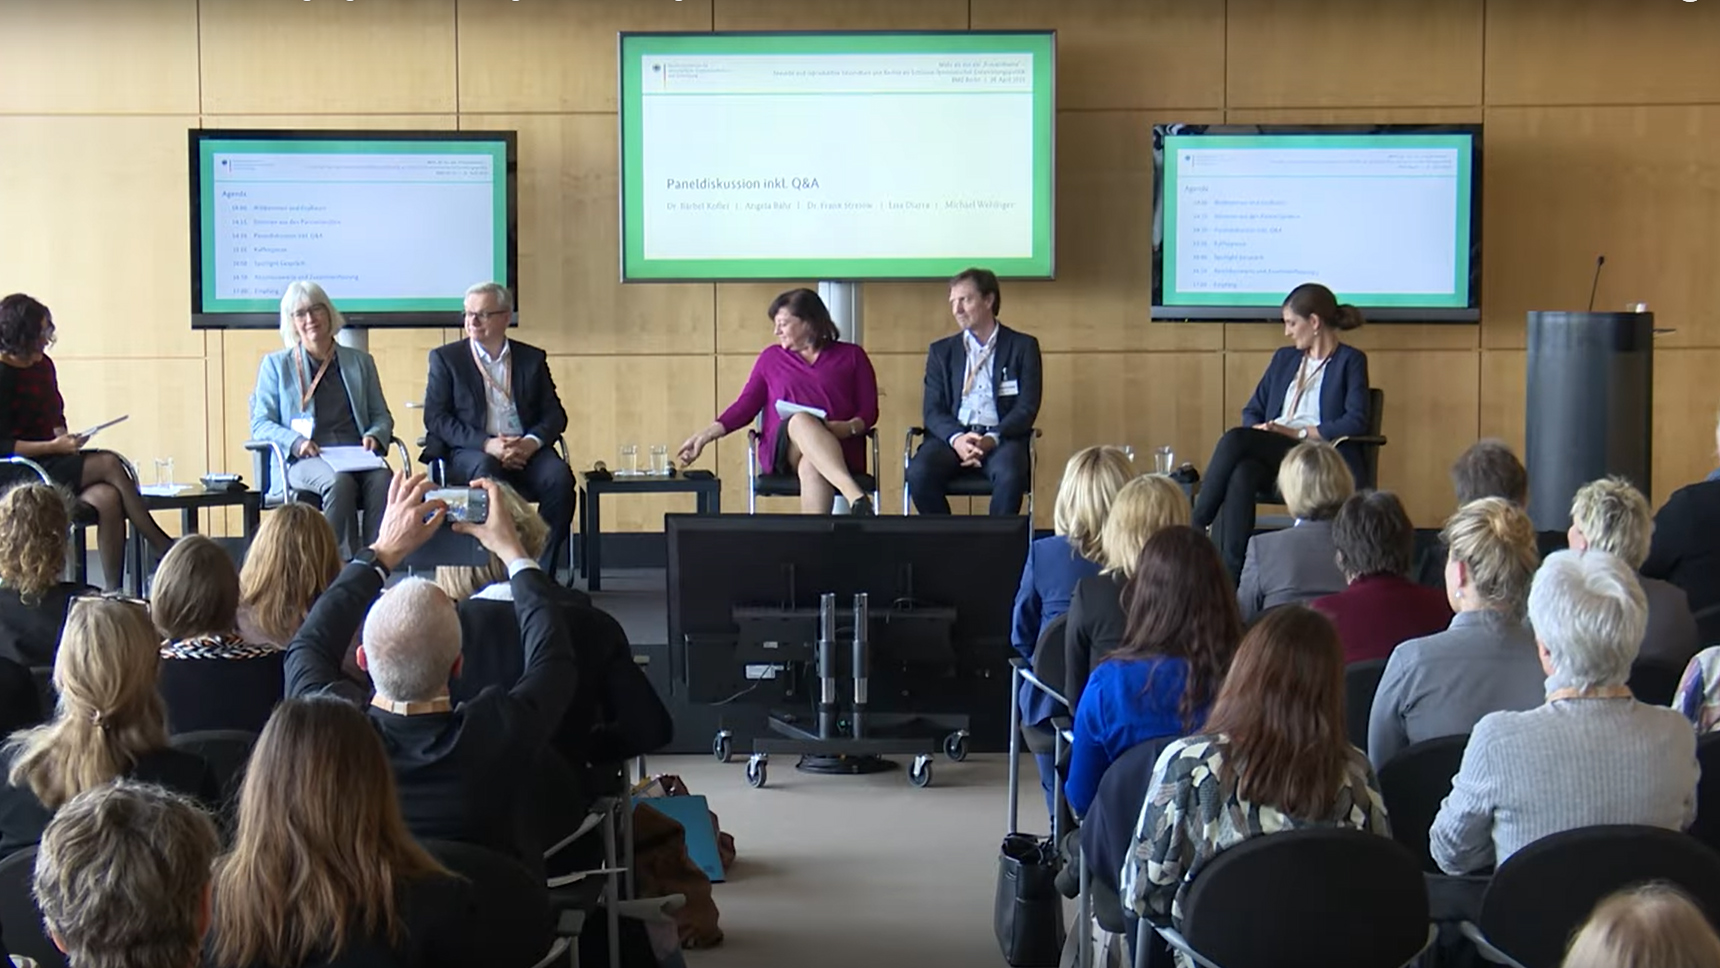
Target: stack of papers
(348,460)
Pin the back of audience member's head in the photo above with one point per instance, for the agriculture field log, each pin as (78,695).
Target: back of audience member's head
(122,877)
(1091,480)
(1649,926)
(321,848)
(196,591)
(1611,515)
(1589,614)
(1282,709)
(1314,480)
(1489,469)
(1181,604)
(1144,506)
(411,642)
(108,713)
(461,582)
(1494,541)
(34,519)
(1373,536)
(292,560)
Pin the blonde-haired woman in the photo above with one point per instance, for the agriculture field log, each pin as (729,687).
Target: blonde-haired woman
(109,723)
(34,519)
(292,560)
(1299,563)
(1611,515)
(1649,926)
(1486,661)
(1097,612)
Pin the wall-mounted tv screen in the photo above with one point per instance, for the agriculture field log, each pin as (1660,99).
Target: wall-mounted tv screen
(395,225)
(843,156)
(1388,216)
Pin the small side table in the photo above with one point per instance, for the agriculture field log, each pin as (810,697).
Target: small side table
(188,502)
(709,492)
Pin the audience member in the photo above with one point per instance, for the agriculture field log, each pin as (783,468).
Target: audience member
(1686,546)
(1613,516)
(122,878)
(1441,684)
(1298,563)
(1375,545)
(211,678)
(109,723)
(292,560)
(1181,632)
(1648,926)
(1591,754)
(1698,696)
(34,521)
(323,870)
(1489,468)
(1144,507)
(464,772)
(1273,757)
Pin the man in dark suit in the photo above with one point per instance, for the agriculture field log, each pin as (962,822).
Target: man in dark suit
(982,396)
(491,404)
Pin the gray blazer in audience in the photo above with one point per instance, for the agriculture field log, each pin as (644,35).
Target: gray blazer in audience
(1442,684)
(1296,564)
(1671,638)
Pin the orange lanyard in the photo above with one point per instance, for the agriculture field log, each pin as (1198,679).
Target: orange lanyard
(1604,692)
(310,391)
(1303,382)
(505,388)
(979,363)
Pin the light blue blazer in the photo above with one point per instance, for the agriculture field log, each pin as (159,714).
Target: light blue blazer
(275,402)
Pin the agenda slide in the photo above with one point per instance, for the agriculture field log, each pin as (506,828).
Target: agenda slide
(382,225)
(836,156)
(1383,220)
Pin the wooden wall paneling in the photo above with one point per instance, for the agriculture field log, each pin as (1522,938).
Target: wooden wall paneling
(1352,53)
(242,352)
(841,15)
(555,56)
(1504,390)
(75,49)
(1371,337)
(108,243)
(1127,54)
(643,400)
(742,328)
(1640,185)
(383,56)
(571,298)
(1685,407)
(905,317)
(1535,47)
(403,364)
(1432,410)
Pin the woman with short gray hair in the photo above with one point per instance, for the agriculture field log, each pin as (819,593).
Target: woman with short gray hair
(1612,515)
(1638,762)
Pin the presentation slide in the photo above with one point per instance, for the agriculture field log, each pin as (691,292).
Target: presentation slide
(749,156)
(383,225)
(1383,220)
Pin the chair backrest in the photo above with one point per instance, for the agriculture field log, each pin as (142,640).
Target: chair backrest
(512,905)
(25,933)
(1309,898)
(1546,890)
(1414,784)
(1371,452)
(1654,682)
(1707,825)
(1361,681)
(1050,661)
(225,750)
(1109,826)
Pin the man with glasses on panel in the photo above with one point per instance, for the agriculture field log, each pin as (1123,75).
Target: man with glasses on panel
(492,404)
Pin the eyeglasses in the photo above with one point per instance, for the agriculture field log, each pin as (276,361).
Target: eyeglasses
(111,597)
(485,315)
(314,309)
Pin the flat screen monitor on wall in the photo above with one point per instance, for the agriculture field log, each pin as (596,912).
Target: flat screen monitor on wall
(1387,216)
(395,225)
(835,155)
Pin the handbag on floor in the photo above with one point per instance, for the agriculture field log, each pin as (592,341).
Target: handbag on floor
(1027,913)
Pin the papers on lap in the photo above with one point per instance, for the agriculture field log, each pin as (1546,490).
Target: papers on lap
(349,460)
(786,409)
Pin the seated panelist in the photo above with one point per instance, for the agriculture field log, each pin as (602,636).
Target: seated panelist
(809,367)
(493,402)
(1314,389)
(981,398)
(316,394)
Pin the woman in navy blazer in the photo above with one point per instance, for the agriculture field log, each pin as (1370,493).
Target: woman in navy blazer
(1314,389)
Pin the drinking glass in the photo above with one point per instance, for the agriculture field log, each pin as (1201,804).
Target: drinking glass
(1164,460)
(164,470)
(629,459)
(660,460)
(1129,452)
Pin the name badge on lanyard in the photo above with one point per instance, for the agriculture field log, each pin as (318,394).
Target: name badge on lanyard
(305,424)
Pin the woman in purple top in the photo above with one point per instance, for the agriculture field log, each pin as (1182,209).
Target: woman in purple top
(808,367)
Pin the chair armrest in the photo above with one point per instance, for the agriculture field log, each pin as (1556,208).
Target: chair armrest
(561,448)
(1375,440)
(753,437)
(1486,950)
(1172,938)
(1027,674)
(261,453)
(405,455)
(40,471)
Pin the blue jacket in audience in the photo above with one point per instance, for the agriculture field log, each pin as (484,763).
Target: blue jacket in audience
(1126,702)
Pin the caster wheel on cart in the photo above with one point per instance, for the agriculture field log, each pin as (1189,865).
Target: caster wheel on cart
(721,747)
(956,745)
(920,774)
(756,773)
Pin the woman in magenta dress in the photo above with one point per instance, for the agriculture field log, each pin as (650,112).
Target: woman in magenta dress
(808,367)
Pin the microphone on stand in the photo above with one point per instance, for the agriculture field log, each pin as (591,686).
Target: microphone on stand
(1600,260)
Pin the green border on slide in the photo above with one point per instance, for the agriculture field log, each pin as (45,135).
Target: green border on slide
(635,47)
(208,149)
(1457,298)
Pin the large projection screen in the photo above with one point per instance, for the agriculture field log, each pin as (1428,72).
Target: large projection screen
(836,156)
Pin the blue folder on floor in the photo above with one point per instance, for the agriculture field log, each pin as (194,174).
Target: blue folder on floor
(694,814)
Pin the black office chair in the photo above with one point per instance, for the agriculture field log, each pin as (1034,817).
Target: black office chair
(1547,890)
(1361,681)
(1307,898)
(1706,827)
(25,933)
(788,485)
(225,750)
(1414,784)
(269,459)
(512,907)
(1370,444)
(1654,682)
(1107,832)
(971,482)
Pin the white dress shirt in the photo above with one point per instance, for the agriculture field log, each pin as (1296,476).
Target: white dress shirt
(500,414)
(978,406)
(1304,410)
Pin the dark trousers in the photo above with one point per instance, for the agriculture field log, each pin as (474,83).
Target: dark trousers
(546,479)
(1244,461)
(1009,468)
